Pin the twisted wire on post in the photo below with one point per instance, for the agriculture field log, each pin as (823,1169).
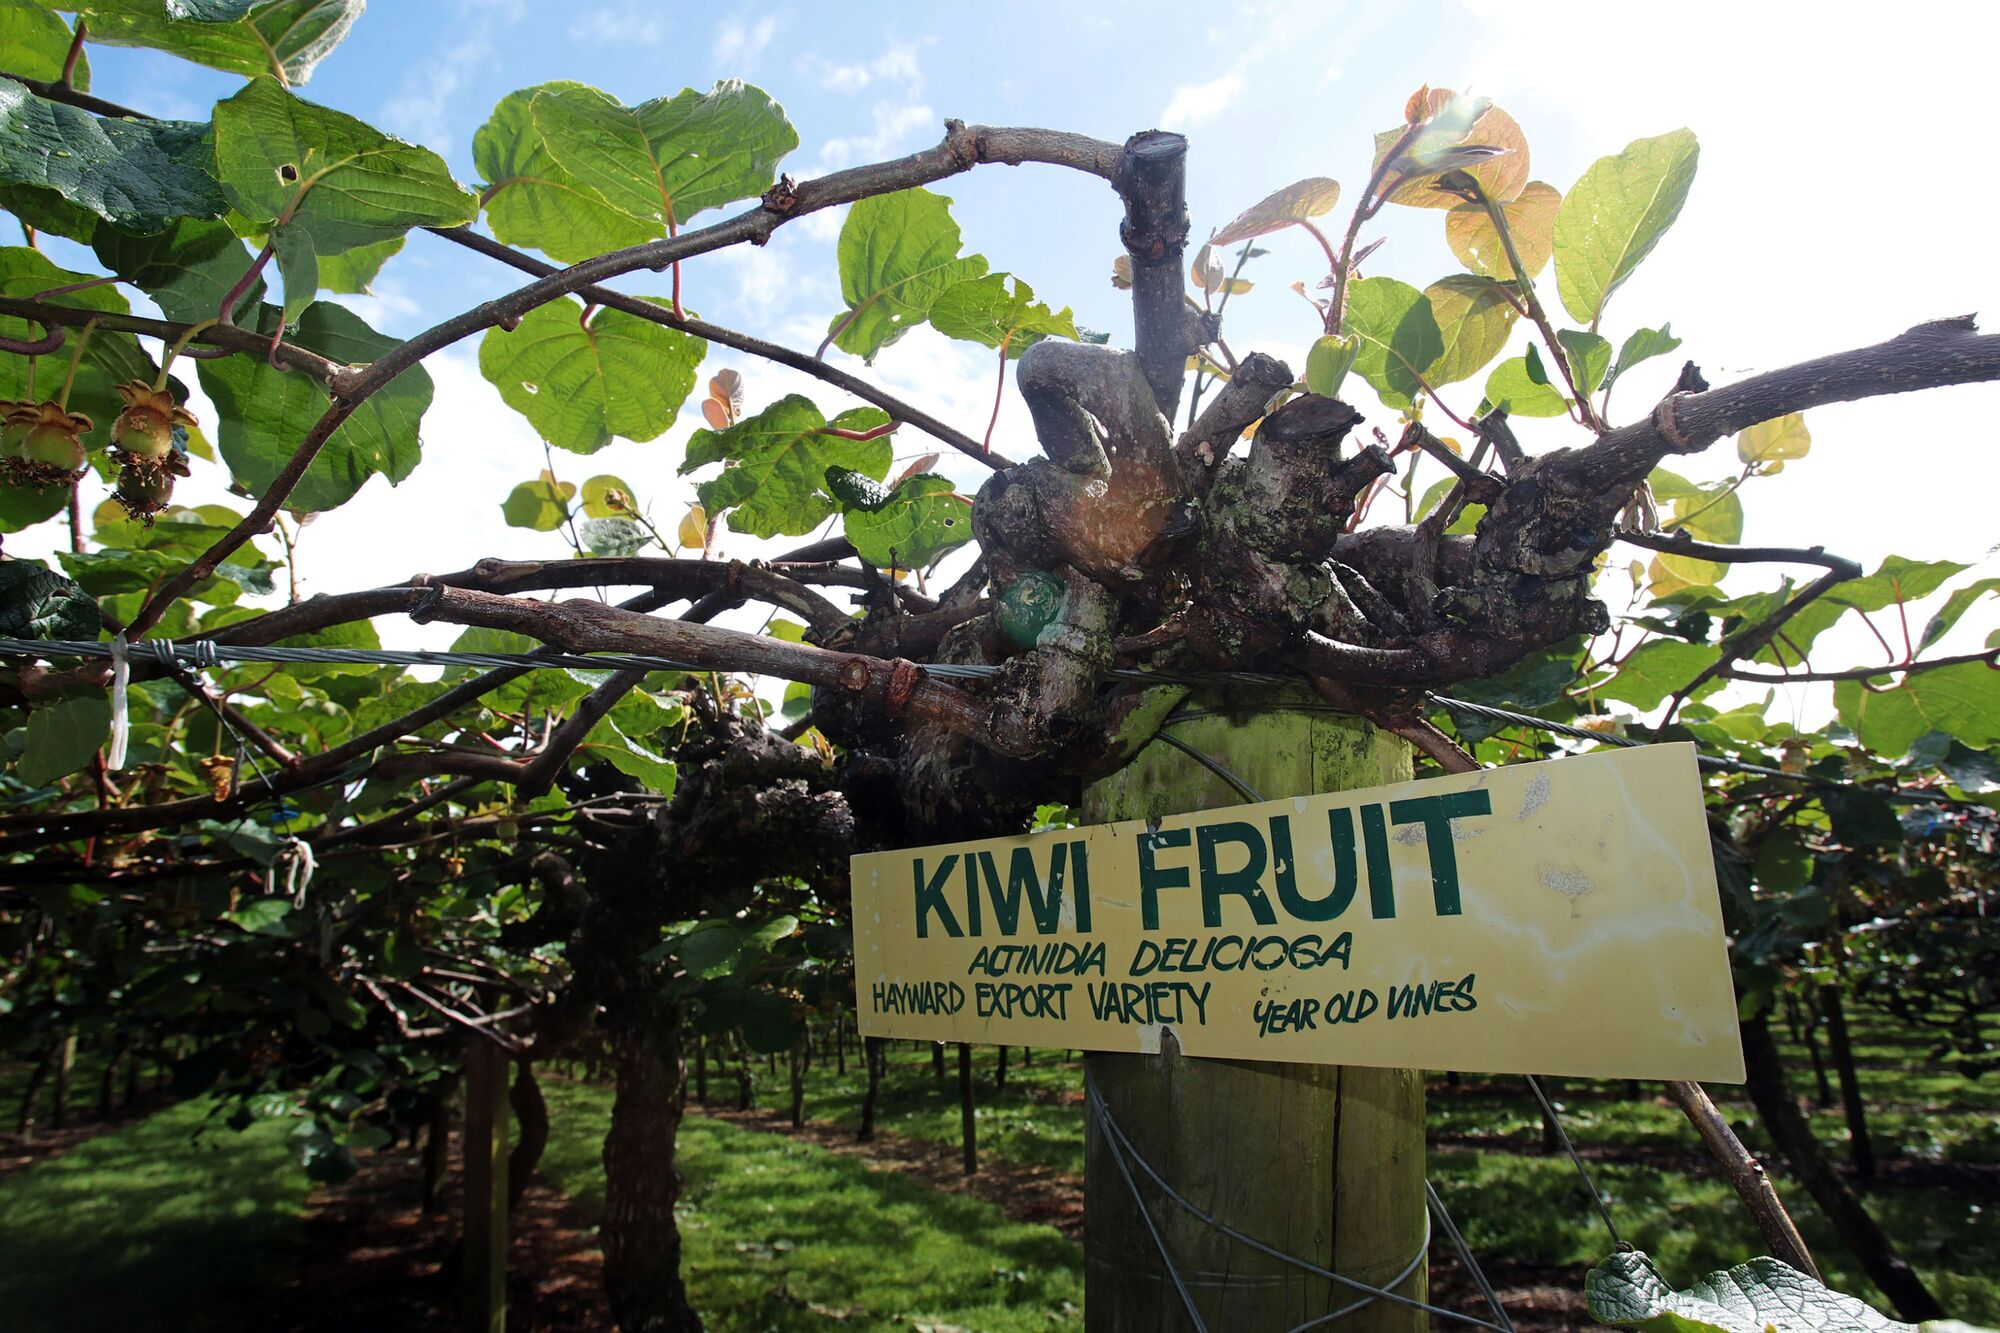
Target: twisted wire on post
(1122,1151)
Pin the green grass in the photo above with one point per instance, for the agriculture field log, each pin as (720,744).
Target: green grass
(1513,1202)
(144,1229)
(778,1232)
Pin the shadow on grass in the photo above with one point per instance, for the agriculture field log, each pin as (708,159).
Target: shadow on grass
(783,1235)
(144,1229)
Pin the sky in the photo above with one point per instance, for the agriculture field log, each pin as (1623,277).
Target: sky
(1842,196)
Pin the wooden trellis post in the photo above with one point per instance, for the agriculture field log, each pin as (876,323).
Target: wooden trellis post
(1324,1163)
(485,1277)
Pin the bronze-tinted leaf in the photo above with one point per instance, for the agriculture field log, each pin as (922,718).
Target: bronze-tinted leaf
(1531,221)
(1297,202)
(1458,133)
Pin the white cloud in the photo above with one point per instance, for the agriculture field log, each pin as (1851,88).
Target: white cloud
(898,64)
(630,22)
(894,125)
(737,47)
(418,110)
(1198,103)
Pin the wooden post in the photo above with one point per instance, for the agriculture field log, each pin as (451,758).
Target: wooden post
(485,1188)
(968,1125)
(1324,1163)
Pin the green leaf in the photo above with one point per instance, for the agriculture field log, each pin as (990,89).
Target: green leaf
(598,502)
(1327,364)
(140,174)
(1656,669)
(266,413)
(986,311)
(37,44)
(1399,337)
(285,40)
(1612,218)
(531,201)
(580,386)
(1962,701)
(337,181)
(262,916)
(47,211)
(1783,863)
(1531,221)
(38,603)
(1775,441)
(654,771)
(355,270)
(1642,345)
(540,505)
(1762,1296)
(708,950)
(1589,356)
(898,254)
(210,11)
(924,518)
(1975,772)
(775,463)
(1861,818)
(1474,317)
(21,507)
(1954,607)
(1711,513)
(1512,386)
(1468,515)
(666,160)
(1300,201)
(187,269)
(62,737)
(613,537)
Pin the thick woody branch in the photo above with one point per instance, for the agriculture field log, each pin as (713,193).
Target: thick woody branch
(1929,356)
(582,626)
(1152,180)
(1258,379)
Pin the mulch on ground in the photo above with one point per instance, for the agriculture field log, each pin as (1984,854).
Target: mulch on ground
(372,1259)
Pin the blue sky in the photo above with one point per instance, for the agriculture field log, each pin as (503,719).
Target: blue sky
(1836,203)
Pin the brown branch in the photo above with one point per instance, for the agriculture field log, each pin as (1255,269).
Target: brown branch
(1990,657)
(1680,543)
(583,626)
(725,337)
(964,147)
(228,337)
(541,773)
(1929,356)
(1746,1174)
(58,92)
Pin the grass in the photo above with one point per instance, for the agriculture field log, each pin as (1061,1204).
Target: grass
(1513,1202)
(778,1233)
(146,1228)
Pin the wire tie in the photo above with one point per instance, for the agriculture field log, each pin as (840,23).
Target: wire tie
(121,676)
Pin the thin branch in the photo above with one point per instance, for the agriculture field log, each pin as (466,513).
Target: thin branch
(742,342)
(1746,1174)
(1990,657)
(227,337)
(57,92)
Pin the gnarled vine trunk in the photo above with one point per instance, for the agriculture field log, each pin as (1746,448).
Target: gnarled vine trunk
(642,1244)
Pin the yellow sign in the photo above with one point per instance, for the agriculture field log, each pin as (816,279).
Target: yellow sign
(1550,918)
